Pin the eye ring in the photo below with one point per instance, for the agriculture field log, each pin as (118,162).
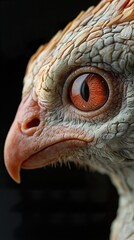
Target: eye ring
(107,76)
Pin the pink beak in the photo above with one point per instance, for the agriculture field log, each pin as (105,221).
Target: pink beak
(20,141)
(32,143)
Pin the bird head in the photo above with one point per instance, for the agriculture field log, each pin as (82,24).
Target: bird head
(78,96)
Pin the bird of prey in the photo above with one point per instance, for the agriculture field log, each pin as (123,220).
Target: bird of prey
(78,104)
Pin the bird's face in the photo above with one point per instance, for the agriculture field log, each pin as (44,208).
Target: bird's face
(77,102)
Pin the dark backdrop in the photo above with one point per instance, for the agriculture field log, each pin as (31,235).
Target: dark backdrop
(59,203)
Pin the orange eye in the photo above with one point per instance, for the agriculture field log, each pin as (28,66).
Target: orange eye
(89,92)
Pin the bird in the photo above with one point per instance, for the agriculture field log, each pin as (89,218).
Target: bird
(78,104)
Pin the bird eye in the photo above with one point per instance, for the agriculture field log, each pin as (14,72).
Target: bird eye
(89,92)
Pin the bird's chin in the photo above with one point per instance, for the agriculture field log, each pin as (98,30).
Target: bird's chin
(52,154)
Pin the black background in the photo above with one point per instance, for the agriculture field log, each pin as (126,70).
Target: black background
(50,203)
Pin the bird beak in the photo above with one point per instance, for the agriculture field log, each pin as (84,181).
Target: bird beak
(33,143)
(21,138)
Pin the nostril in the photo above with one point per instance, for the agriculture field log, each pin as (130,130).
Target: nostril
(32,123)
(29,126)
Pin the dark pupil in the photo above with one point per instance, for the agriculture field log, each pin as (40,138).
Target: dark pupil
(85,91)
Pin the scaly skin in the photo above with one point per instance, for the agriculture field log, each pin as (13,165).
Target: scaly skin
(48,128)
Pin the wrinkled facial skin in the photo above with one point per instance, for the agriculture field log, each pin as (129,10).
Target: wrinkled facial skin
(88,121)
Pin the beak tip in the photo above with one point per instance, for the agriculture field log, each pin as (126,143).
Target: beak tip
(17,179)
(14,175)
(13,170)
(13,166)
